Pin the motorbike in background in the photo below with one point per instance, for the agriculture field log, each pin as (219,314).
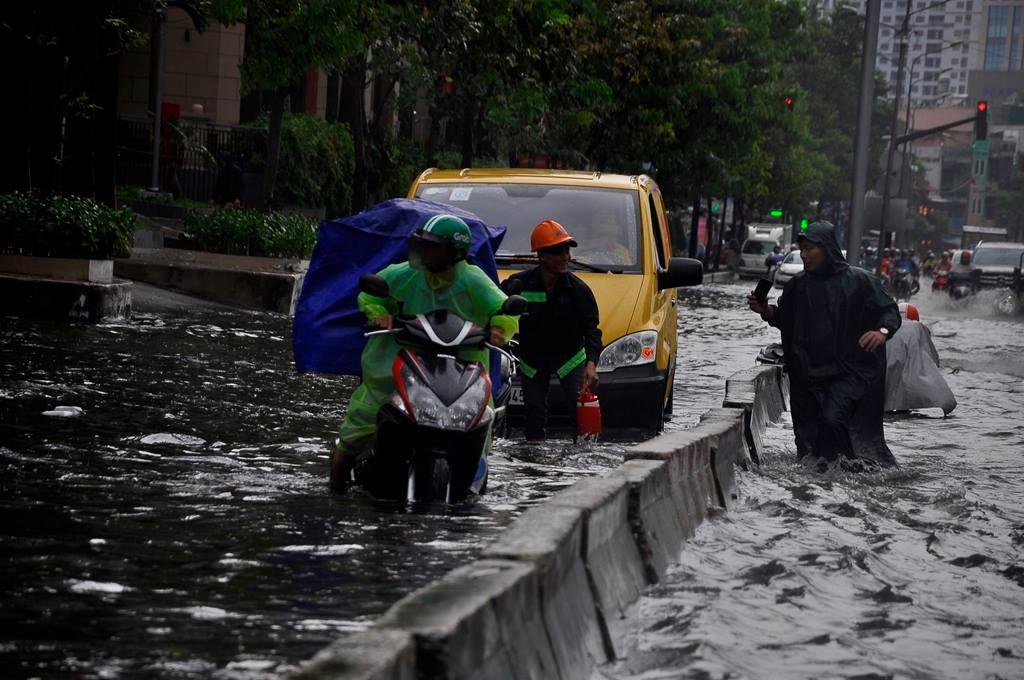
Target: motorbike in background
(434,431)
(904,283)
(940,282)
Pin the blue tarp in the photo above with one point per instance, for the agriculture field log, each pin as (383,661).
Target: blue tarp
(327,334)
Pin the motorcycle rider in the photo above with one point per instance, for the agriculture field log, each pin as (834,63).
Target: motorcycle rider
(436,276)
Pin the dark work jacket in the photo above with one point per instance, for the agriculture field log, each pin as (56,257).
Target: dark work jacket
(558,325)
(822,316)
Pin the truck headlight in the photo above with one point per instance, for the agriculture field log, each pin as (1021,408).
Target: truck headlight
(634,349)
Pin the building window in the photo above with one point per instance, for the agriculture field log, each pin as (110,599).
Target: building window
(1015,32)
(963,89)
(998,29)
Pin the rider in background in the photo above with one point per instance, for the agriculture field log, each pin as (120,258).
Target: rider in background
(436,276)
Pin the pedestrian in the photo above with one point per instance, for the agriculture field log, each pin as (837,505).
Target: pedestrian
(558,333)
(835,320)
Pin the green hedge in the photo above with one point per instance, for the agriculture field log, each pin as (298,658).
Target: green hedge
(237,231)
(317,164)
(63,226)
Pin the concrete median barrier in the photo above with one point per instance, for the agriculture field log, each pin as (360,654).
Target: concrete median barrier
(549,537)
(483,620)
(610,555)
(653,516)
(759,392)
(375,654)
(554,596)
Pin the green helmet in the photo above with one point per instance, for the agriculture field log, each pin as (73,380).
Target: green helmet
(446,229)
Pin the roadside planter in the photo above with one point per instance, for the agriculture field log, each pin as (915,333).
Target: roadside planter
(56,258)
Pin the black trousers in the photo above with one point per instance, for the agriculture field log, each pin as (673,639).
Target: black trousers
(535,399)
(840,419)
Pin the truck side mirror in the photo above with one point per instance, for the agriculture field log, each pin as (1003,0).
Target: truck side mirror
(681,271)
(374,285)
(514,305)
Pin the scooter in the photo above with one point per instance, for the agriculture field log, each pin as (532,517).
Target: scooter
(905,284)
(962,285)
(941,279)
(434,430)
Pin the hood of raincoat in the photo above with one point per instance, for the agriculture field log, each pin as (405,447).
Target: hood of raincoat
(824,235)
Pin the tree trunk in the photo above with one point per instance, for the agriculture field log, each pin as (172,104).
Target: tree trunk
(353,112)
(273,147)
(331,114)
(468,124)
(694,224)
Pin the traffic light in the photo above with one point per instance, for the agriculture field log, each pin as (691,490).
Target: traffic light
(981,122)
(790,100)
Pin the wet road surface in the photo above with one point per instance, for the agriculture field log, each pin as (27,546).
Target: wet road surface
(180,525)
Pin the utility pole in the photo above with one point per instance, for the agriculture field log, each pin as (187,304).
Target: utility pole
(860,156)
(904,33)
(161,17)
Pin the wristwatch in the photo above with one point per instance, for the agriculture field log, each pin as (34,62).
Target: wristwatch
(884,331)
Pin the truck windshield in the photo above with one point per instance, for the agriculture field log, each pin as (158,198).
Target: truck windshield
(998,257)
(758,247)
(605,222)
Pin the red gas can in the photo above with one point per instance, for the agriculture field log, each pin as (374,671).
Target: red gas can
(588,413)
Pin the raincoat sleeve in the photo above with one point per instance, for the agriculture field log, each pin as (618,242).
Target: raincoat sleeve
(375,307)
(882,308)
(487,299)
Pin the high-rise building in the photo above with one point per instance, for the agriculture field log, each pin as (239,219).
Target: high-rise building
(940,47)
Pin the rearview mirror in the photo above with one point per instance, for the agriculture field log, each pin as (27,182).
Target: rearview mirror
(371,284)
(514,305)
(682,271)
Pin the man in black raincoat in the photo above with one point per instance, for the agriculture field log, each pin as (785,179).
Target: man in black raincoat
(834,320)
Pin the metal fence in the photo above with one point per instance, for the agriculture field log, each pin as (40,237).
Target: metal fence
(200,160)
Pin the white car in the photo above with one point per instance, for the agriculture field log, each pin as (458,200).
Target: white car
(791,265)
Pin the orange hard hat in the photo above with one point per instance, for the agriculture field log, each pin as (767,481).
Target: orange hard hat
(909,311)
(548,234)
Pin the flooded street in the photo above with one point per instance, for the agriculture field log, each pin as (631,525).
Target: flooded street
(917,573)
(179,524)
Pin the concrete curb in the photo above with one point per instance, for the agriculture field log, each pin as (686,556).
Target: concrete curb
(77,301)
(375,654)
(271,291)
(554,596)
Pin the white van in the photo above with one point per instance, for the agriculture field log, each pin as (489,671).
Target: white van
(761,241)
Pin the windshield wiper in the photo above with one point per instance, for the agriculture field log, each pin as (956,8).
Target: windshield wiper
(515,257)
(590,267)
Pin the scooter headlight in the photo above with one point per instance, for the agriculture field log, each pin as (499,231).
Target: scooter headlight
(431,411)
(634,349)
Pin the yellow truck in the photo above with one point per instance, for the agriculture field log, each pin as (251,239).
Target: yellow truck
(624,255)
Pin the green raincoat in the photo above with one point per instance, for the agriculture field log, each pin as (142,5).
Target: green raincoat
(468,292)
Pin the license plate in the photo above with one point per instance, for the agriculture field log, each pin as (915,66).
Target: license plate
(516,397)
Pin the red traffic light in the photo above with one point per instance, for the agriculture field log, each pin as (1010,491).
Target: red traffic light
(982,106)
(789,102)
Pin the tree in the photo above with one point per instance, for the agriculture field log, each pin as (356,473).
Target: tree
(285,39)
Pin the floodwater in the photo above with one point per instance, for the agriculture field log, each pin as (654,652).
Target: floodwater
(916,573)
(173,519)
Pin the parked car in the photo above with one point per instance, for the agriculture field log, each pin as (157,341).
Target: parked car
(996,262)
(790,266)
(634,280)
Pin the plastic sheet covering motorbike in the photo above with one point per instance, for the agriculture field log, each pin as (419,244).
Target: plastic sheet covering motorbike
(327,335)
(913,378)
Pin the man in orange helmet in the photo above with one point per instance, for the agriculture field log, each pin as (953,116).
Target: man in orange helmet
(558,334)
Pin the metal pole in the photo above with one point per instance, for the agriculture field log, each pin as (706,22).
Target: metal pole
(860,156)
(158,95)
(886,198)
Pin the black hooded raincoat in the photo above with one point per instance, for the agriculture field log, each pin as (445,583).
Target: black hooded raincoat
(837,389)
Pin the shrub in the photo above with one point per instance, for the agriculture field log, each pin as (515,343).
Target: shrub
(63,226)
(237,231)
(317,164)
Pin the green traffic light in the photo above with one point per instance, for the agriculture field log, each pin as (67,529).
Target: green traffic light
(776,213)
(803,225)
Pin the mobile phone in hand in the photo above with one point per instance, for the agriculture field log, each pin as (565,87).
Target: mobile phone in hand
(761,292)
